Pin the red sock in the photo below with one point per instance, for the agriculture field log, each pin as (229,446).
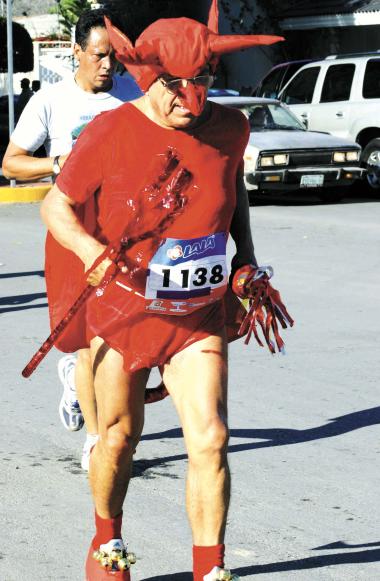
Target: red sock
(106,529)
(205,559)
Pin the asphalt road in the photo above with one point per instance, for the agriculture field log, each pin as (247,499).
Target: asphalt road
(304,443)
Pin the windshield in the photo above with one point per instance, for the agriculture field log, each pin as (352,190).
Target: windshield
(270,116)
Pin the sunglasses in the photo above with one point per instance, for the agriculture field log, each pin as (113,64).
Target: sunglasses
(175,85)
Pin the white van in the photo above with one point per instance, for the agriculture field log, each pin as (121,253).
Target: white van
(341,95)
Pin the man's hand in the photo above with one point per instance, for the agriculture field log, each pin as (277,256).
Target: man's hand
(96,276)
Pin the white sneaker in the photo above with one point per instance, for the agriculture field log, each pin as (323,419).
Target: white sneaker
(69,408)
(90,442)
(218,574)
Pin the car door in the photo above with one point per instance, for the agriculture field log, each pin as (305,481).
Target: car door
(299,92)
(331,107)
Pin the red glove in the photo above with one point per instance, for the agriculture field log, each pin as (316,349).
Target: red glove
(265,305)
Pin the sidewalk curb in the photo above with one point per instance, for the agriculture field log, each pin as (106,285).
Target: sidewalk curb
(23,193)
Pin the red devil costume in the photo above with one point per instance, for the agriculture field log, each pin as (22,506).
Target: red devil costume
(174,292)
(181,48)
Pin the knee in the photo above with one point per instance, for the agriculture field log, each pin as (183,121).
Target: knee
(210,445)
(118,443)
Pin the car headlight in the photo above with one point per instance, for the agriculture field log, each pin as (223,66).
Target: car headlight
(339,156)
(281,159)
(276,159)
(352,156)
(342,156)
(266,161)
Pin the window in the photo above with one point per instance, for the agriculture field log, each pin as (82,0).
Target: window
(301,88)
(290,71)
(337,83)
(371,85)
(270,85)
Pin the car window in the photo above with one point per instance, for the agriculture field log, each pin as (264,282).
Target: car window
(301,88)
(270,116)
(337,84)
(371,85)
(271,84)
(283,118)
(291,69)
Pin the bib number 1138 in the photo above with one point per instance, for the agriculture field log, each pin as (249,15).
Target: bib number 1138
(199,277)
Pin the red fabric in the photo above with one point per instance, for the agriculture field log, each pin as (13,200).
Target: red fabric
(106,529)
(180,47)
(114,164)
(205,559)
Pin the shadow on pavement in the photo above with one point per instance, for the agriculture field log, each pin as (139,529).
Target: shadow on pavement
(286,436)
(20,274)
(272,436)
(294,565)
(343,545)
(312,562)
(17,300)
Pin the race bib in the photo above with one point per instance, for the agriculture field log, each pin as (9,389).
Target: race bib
(186,275)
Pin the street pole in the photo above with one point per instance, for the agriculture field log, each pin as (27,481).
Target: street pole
(11,109)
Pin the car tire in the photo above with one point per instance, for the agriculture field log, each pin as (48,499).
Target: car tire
(372,153)
(331,195)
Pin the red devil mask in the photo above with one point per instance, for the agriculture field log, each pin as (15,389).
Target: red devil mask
(180,48)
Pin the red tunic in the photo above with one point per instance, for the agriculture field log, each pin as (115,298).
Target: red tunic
(107,167)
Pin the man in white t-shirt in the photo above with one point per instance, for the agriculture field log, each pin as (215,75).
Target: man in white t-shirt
(54,117)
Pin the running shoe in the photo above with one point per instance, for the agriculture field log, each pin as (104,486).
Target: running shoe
(90,442)
(110,562)
(218,574)
(69,408)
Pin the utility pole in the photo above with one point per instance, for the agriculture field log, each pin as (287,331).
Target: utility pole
(11,110)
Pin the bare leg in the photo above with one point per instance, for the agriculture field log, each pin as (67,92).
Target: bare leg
(84,385)
(120,401)
(197,381)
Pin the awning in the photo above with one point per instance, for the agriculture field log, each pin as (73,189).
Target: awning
(331,14)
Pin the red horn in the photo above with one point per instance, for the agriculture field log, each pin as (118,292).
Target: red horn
(230,43)
(119,40)
(213,17)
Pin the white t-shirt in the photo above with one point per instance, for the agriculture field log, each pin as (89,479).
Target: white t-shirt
(55,115)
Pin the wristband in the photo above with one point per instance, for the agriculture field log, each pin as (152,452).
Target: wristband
(56,166)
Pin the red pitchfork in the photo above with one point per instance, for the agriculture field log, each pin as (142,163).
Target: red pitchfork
(172,200)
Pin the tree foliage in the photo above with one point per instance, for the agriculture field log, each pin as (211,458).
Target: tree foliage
(22,48)
(254,16)
(69,11)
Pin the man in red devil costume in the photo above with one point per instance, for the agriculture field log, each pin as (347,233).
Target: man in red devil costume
(166,306)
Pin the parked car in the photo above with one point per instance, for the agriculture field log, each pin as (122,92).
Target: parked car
(282,155)
(341,94)
(219,92)
(271,85)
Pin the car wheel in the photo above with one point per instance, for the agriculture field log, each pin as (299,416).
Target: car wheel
(371,160)
(330,195)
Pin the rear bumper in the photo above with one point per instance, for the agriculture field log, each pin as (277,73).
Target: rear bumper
(302,178)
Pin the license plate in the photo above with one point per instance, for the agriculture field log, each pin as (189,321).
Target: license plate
(312,181)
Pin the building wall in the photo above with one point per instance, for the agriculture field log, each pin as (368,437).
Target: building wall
(321,42)
(245,68)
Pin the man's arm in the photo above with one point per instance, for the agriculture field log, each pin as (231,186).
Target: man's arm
(241,229)
(62,222)
(19,164)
